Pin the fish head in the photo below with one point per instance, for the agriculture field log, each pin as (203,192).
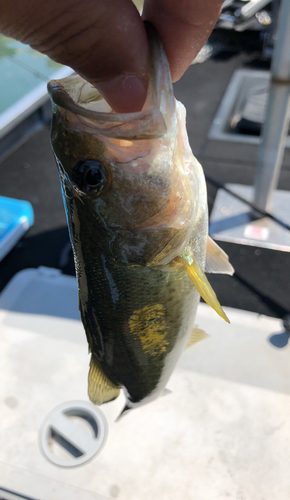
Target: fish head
(123,175)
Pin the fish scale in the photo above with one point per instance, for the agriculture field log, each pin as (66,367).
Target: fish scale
(140,289)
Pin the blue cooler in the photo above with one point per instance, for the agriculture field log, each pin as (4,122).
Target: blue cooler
(16,217)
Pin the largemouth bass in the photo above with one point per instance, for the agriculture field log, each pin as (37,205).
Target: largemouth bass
(135,199)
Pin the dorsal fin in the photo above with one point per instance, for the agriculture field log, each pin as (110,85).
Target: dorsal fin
(217,261)
(196,336)
(101,389)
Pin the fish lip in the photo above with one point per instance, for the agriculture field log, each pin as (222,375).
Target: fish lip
(68,94)
(57,90)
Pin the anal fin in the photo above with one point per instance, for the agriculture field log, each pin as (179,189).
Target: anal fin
(101,389)
(196,336)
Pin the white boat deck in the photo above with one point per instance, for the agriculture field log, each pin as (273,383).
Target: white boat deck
(221,434)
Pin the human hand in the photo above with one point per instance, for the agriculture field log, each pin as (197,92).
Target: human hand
(105,40)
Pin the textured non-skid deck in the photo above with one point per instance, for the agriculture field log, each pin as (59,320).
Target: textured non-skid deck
(221,433)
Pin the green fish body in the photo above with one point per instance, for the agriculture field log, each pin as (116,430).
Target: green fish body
(136,206)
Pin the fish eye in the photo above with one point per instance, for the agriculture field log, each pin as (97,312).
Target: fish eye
(92,176)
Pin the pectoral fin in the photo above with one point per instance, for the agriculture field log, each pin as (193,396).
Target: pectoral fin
(201,283)
(196,336)
(101,389)
(217,261)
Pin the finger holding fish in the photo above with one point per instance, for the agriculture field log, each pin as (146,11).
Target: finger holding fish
(106,42)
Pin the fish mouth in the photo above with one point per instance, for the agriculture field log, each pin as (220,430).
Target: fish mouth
(82,105)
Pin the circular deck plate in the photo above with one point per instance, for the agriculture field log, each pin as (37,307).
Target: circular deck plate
(73,433)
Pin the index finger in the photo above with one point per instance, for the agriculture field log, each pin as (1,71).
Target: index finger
(183,26)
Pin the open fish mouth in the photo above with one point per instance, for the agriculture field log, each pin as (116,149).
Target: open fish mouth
(81,104)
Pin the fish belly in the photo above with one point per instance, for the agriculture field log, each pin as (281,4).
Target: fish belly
(138,321)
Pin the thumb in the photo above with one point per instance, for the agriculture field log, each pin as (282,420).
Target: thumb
(102,40)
